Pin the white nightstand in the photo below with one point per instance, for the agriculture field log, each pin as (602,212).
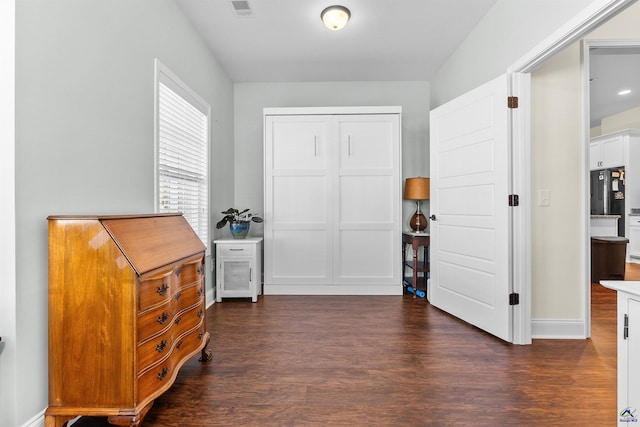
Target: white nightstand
(238,268)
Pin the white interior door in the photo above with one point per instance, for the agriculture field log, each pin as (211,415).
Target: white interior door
(470,183)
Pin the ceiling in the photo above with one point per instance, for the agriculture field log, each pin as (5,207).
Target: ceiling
(385,40)
(610,71)
(285,40)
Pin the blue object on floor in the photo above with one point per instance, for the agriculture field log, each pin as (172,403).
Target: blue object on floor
(419,293)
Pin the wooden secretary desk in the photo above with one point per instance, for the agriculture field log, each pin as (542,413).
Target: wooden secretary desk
(126,311)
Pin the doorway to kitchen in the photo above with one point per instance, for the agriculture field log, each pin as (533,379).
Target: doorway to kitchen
(611,89)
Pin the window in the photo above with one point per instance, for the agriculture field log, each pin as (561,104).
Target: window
(182,141)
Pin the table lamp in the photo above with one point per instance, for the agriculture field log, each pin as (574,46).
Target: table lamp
(417,189)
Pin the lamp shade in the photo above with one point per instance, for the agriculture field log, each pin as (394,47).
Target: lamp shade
(416,188)
(335,17)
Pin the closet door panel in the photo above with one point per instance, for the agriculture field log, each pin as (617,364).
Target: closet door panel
(366,199)
(301,257)
(298,200)
(368,193)
(297,208)
(366,256)
(366,142)
(300,144)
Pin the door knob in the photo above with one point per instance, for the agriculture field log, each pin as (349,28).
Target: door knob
(432,217)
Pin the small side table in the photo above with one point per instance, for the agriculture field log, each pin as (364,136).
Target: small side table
(416,240)
(238,268)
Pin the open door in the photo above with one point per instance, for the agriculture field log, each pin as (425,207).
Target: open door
(470,227)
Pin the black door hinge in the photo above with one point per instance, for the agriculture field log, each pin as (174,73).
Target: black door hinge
(514,200)
(512,102)
(625,330)
(514,299)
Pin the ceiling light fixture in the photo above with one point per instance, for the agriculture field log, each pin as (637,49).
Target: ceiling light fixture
(624,92)
(335,17)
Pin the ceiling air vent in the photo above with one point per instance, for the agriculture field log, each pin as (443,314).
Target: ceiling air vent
(242,7)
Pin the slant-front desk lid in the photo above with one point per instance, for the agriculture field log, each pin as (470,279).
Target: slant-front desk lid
(148,241)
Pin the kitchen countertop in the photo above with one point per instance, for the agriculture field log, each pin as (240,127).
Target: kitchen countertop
(630,287)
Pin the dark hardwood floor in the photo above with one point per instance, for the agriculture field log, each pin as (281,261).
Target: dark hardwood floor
(387,361)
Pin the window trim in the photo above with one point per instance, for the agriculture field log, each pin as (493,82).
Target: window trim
(162,74)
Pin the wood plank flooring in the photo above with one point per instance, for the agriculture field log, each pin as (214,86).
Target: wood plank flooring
(386,361)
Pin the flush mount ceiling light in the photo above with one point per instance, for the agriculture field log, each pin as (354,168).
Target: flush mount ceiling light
(624,92)
(335,17)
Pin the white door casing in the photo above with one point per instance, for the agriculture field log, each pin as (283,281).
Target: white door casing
(470,186)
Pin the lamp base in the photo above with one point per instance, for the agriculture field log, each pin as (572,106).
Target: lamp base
(418,222)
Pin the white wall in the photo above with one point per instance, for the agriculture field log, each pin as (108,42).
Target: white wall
(624,120)
(510,30)
(84,134)
(251,98)
(557,286)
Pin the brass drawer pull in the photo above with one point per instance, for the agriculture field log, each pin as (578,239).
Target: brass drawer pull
(178,319)
(178,295)
(179,344)
(160,347)
(163,373)
(163,317)
(200,313)
(162,289)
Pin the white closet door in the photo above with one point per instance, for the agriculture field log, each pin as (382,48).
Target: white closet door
(367,190)
(297,208)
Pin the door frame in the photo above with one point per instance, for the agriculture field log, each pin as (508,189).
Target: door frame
(8,302)
(587,20)
(586,117)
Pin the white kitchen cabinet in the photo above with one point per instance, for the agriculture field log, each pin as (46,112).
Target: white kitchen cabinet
(628,324)
(634,238)
(239,268)
(332,200)
(607,151)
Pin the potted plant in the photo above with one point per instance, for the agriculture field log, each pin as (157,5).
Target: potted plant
(239,221)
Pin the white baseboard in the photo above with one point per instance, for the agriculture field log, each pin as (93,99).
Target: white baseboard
(38,421)
(557,329)
(210,298)
(333,289)
(35,421)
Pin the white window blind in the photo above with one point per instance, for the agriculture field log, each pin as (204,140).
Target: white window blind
(182,151)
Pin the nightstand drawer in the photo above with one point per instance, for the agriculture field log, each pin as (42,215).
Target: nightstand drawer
(235,250)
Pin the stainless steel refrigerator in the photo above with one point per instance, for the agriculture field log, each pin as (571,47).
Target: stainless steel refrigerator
(607,194)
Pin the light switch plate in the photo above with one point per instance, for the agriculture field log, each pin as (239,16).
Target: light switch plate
(544,198)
